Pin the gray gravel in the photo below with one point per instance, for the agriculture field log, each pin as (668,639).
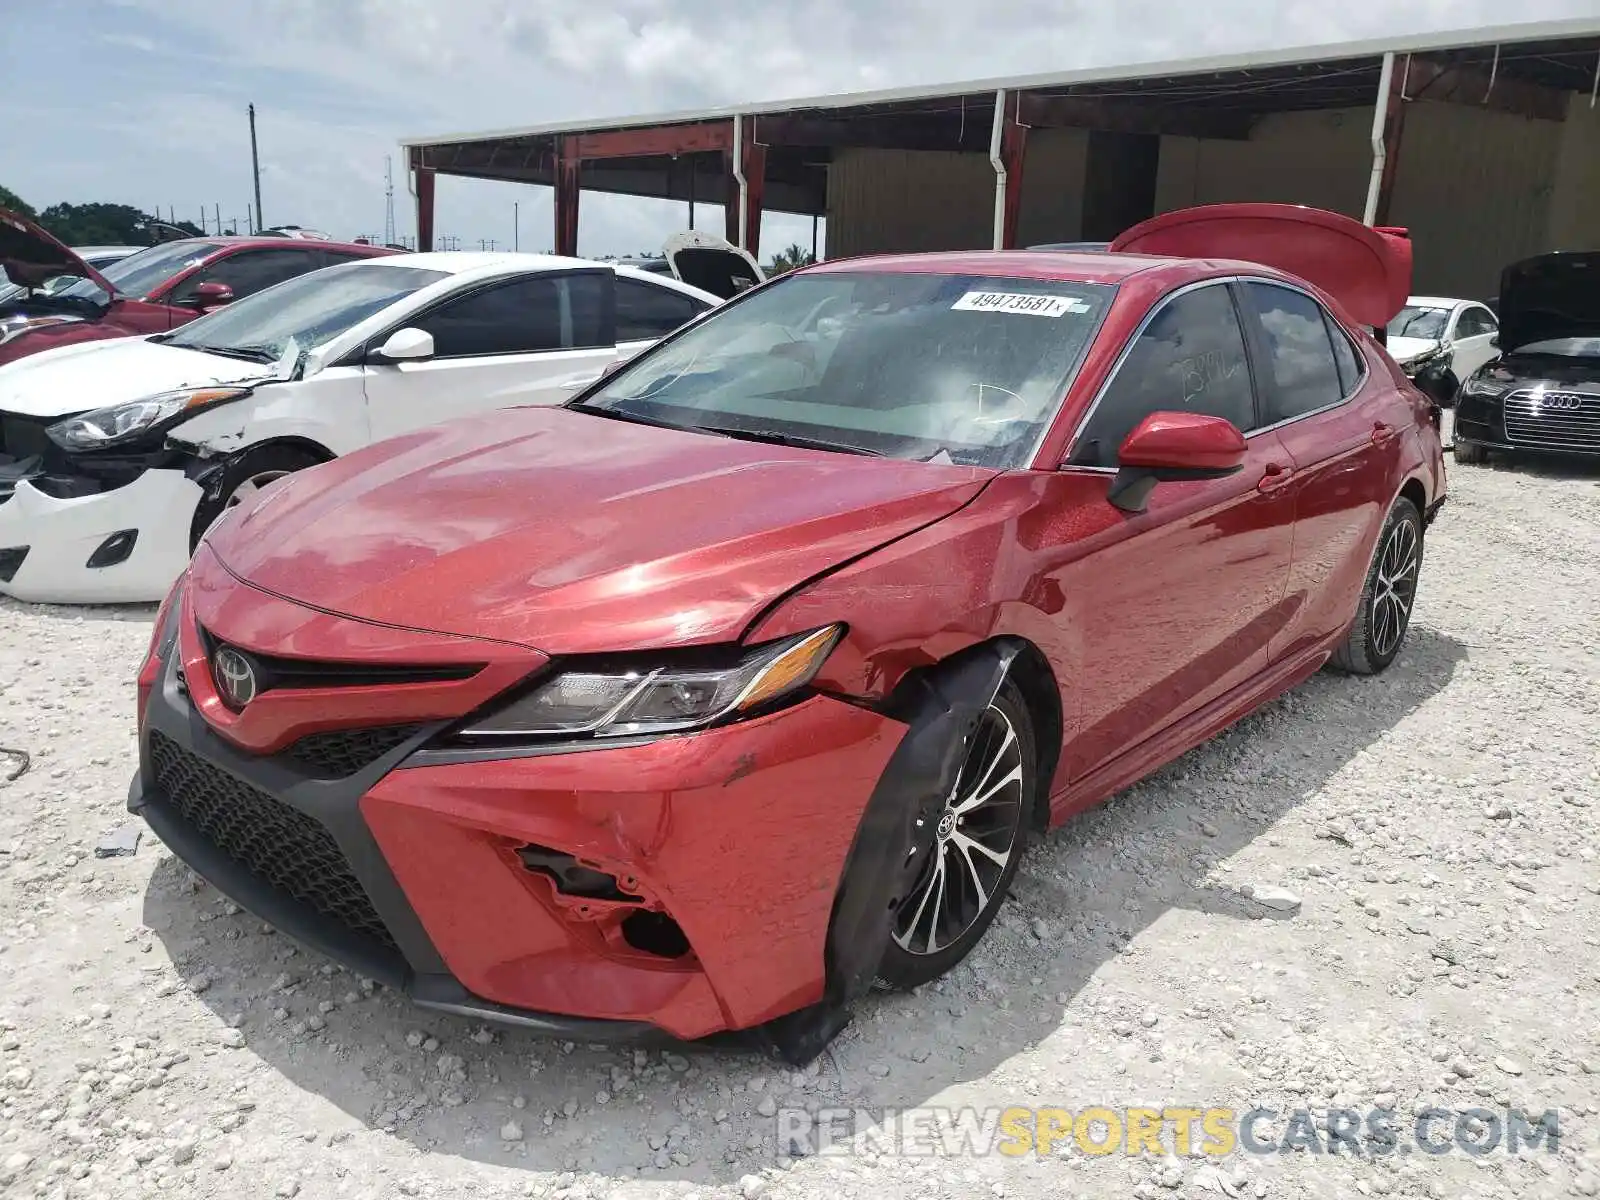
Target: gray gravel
(1373,893)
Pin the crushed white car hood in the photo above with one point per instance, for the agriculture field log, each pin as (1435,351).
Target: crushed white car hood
(1401,349)
(74,379)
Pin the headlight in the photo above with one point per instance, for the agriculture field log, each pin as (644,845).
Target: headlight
(648,699)
(126,422)
(1417,361)
(15,327)
(1481,385)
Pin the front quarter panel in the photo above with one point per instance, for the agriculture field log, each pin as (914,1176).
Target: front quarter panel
(329,409)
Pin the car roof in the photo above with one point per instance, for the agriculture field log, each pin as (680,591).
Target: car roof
(1062,265)
(1438,301)
(230,241)
(457,261)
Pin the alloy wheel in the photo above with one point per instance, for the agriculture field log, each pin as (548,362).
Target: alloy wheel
(1394,589)
(972,842)
(248,488)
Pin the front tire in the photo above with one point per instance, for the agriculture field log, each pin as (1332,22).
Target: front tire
(1384,616)
(972,854)
(242,477)
(1468,454)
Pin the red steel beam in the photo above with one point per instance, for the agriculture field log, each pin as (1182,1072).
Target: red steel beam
(1013,153)
(654,140)
(566,198)
(424,209)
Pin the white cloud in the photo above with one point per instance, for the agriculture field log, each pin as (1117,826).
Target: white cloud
(337,82)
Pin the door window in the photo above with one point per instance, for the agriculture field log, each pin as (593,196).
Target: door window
(1345,356)
(545,312)
(1302,372)
(1475,322)
(252,271)
(1189,358)
(646,311)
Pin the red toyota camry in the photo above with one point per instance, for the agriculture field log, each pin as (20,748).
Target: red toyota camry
(741,682)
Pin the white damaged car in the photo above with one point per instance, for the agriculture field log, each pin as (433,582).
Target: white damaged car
(116,456)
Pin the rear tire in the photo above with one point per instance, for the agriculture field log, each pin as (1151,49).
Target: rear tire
(973,854)
(1384,615)
(242,476)
(1468,454)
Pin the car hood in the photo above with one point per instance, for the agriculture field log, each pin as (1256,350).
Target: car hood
(1549,297)
(1530,368)
(29,255)
(73,379)
(1404,349)
(572,533)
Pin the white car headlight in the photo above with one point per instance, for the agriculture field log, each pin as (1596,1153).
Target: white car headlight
(633,701)
(122,423)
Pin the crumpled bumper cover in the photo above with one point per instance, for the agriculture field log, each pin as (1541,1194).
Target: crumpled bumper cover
(740,835)
(60,536)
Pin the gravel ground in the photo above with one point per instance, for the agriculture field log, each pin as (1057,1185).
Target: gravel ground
(1424,930)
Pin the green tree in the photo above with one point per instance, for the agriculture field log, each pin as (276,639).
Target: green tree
(9,199)
(795,256)
(96,224)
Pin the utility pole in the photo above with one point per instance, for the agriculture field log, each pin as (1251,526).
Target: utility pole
(219,219)
(516,227)
(249,219)
(388,200)
(255,168)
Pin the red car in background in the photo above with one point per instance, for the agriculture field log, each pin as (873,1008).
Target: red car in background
(742,681)
(157,289)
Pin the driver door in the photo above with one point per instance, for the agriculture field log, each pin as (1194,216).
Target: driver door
(530,339)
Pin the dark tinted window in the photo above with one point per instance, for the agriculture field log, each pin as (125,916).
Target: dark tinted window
(1190,358)
(1302,375)
(584,322)
(252,271)
(646,312)
(1345,356)
(1474,322)
(512,318)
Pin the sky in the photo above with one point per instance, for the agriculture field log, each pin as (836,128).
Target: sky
(143,101)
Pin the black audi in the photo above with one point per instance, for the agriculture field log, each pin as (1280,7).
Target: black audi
(1542,395)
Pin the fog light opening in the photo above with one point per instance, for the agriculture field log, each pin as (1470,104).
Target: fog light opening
(571,877)
(11,562)
(115,549)
(655,933)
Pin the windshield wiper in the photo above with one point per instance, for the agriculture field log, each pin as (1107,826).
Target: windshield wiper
(612,414)
(789,439)
(262,354)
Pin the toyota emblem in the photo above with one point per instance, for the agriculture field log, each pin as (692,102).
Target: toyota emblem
(235,676)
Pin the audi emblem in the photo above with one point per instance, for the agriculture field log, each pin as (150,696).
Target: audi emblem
(235,676)
(1562,401)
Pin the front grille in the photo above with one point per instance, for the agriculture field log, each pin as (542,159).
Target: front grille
(273,672)
(1534,420)
(280,845)
(343,752)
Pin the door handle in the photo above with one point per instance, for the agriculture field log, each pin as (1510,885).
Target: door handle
(1273,475)
(1381,432)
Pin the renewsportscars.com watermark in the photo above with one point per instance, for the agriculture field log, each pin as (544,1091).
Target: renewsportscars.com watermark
(1098,1131)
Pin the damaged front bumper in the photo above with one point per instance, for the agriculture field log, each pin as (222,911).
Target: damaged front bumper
(125,544)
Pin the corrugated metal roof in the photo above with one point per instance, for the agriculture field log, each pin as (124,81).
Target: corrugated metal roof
(1530,31)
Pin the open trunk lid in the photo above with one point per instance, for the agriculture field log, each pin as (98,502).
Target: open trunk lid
(711,264)
(1368,271)
(29,256)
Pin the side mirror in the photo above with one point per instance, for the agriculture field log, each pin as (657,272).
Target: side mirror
(1495,341)
(404,345)
(612,367)
(207,296)
(1171,446)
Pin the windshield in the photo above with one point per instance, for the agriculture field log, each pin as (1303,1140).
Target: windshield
(140,274)
(312,309)
(966,368)
(1415,322)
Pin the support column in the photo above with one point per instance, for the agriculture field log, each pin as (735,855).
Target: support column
(424,178)
(1387,118)
(1013,151)
(566,199)
(747,176)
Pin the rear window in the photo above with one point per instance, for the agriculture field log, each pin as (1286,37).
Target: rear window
(952,367)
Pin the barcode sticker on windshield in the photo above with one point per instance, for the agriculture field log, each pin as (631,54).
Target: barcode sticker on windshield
(1020,302)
